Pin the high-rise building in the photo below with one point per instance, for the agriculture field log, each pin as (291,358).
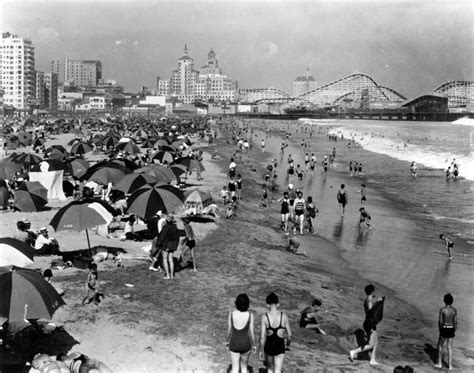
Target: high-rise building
(57,67)
(51,91)
(162,87)
(183,79)
(303,84)
(39,89)
(212,84)
(82,73)
(17,71)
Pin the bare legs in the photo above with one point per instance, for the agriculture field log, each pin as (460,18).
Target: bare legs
(274,363)
(440,352)
(239,361)
(194,261)
(371,346)
(168,264)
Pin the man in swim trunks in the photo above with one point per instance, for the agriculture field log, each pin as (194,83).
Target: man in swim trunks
(447,324)
(449,244)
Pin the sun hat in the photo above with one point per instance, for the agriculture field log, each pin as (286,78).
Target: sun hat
(43,229)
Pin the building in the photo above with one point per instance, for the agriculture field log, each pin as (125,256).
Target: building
(162,87)
(428,104)
(51,91)
(82,73)
(303,84)
(58,68)
(212,85)
(17,71)
(39,86)
(183,79)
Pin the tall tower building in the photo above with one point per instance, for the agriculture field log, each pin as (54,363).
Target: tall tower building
(183,79)
(82,73)
(17,71)
(40,88)
(303,84)
(57,67)
(51,91)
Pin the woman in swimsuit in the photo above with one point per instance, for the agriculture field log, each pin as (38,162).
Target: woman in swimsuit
(272,339)
(240,334)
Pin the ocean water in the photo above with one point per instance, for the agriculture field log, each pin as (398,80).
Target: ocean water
(403,250)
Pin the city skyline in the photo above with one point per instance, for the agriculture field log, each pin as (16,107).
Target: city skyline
(410,47)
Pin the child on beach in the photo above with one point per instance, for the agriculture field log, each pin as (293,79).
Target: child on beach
(293,245)
(263,201)
(447,324)
(224,194)
(92,286)
(448,243)
(363,195)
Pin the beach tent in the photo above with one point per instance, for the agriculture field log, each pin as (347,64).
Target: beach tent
(51,177)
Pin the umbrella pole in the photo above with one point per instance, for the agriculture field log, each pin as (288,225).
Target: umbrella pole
(88,243)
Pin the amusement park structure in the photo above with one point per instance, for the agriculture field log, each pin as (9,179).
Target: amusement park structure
(459,93)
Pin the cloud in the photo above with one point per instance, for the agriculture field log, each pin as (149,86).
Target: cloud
(118,42)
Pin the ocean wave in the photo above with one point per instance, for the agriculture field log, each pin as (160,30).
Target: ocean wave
(464,121)
(319,122)
(430,157)
(459,220)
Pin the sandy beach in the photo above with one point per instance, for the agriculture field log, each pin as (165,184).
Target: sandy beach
(180,326)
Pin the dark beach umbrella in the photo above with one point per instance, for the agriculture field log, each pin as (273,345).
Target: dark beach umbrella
(76,167)
(147,144)
(179,170)
(39,141)
(106,173)
(127,163)
(110,140)
(79,216)
(81,148)
(167,148)
(15,252)
(132,182)
(25,137)
(140,134)
(26,295)
(128,147)
(4,196)
(34,187)
(68,188)
(8,169)
(27,159)
(74,141)
(48,165)
(28,202)
(164,174)
(162,156)
(147,200)
(190,163)
(58,155)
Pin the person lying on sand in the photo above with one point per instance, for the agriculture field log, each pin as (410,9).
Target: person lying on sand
(79,363)
(43,363)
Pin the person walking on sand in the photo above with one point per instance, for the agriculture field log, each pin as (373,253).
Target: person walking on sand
(413,169)
(285,210)
(275,332)
(300,207)
(449,244)
(311,211)
(263,201)
(342,198)
(447,324)
(373,315)
(240,334)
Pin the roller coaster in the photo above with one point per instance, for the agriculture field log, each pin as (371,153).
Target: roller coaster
(459,92)
(353,87)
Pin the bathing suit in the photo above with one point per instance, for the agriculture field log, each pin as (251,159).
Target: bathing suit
(341,198)
(285,209)
(240,338)
(447,331)
(274,345)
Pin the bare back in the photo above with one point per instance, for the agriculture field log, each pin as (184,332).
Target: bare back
(447,316)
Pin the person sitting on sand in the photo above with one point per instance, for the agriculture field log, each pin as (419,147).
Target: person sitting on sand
(364,219)
(45,245)
(447,324)
(43,363)
(80,363)
(309,319)
(293,245)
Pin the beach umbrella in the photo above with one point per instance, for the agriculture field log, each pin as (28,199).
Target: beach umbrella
(28,202)
(147,144)
(68,188)
(162,156)
(8,169)
(76,167)
(76,131)
(127,163)
(198,196)
(15,252)
(109,141)
(74,141)
(132,182)
(128,147)
(25,137)
(79,216)
(179,170)
(81,148)
(58,155)
(162,142)
(140,134)
(48,165)
(26,295)
(4,195)
(39,141)
(34,187)
(106,173)
(191,164)
(27,159)
(167,148)
(164,174)
(146,201)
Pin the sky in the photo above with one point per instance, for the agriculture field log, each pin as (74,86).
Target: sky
(409,46)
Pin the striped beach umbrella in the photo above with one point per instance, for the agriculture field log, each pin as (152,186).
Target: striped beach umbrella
(131,182)
(148,200)
(15,252)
